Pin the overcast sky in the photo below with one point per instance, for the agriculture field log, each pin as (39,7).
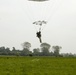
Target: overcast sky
(17,16)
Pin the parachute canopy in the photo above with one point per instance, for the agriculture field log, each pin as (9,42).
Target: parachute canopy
(38,0)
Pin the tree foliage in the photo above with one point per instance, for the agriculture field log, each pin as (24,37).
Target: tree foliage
(56,50)
(45,49)
(36,51)
(26,45)
(45,45)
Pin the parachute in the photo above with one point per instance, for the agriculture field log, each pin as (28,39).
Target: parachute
(40,12)
(39,0)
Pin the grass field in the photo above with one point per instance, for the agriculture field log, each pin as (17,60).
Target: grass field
(37,66)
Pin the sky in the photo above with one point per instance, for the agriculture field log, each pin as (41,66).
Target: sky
(17,16)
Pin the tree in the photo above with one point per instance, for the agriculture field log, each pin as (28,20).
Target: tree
(13,51)
(25,52)
(56,50)
(26,45)
(45,49)
(2,50)
(36,51)
(7,51)
(46,45)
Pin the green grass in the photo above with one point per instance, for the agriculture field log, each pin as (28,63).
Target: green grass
(37,66)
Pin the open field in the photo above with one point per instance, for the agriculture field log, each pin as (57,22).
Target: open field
(37,66)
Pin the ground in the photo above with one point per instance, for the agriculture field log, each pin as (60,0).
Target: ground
(37,66)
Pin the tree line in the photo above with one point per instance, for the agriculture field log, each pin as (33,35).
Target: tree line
(44,50)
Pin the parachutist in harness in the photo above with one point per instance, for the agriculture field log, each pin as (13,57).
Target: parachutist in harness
(39,36)
(39,23)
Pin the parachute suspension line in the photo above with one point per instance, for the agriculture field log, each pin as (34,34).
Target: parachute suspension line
(26,13)
(32,15)
(42,14)
(50,17)
(29,15)
(52,14)
(45,15)
(42,11)
(48,6)
(41,22)
(53,3)
(36,17)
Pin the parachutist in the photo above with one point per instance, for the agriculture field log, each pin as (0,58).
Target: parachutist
(39,36)
(39,23)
